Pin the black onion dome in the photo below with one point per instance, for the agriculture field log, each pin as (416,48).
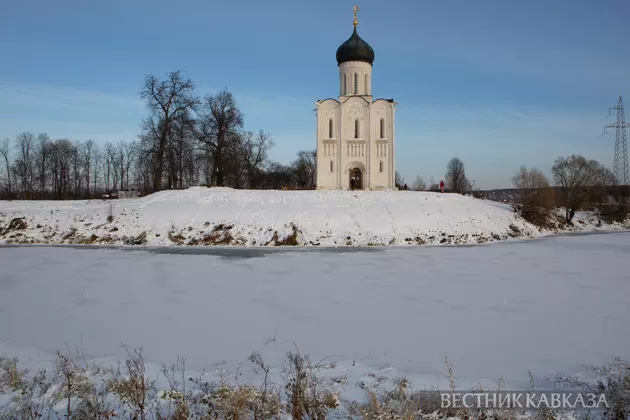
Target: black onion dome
(355,49)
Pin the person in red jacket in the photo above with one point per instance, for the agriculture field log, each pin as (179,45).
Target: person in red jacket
(442,186)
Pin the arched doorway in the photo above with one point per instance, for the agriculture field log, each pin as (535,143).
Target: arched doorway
(357,176)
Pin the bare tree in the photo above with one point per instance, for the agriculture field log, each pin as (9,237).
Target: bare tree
(87,156)
(254,151)
(536,198)
(219,122)
(96,160)
(77,164)
(601,188)
(129,154)
(604,177)
(574,174)
(399,181)
(278,176)
(305,168)
(529,179)
(144,171)
(181,151)
(122,159)
(62,169)
(166,100)
(109,167)
(419,184)
(24,163)
(456,176)
(119,161)
(533,187)
(5,153)
(149,140)
(61,152)
(42,152)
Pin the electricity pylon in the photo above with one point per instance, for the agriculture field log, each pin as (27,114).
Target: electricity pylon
(620,166)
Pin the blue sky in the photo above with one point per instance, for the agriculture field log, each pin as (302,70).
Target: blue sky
(497,83)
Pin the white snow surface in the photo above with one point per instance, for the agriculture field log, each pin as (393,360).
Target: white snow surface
(252,218)
(545,306)
(223,216)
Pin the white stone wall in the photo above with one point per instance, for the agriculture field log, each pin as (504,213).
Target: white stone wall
(369,149)
(382,145)
(328,147)
(355,141)
(349,133)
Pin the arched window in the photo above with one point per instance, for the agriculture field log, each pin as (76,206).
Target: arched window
(356,84)
(382,128)
(380,166)
(345,85)
(331,166)
(330,128)
(356,129)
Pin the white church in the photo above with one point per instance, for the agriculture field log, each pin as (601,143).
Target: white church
(355,133)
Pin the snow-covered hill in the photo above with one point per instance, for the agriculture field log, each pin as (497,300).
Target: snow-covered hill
(223,216)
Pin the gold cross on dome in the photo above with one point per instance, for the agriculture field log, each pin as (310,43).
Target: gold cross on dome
(355,8)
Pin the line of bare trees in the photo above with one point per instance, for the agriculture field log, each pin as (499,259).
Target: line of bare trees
(580,184)
(38,167)
(455,180)
(185,140)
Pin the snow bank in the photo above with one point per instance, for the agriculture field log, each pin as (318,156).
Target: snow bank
(222,216)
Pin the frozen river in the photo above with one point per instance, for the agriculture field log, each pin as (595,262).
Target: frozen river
(502,310)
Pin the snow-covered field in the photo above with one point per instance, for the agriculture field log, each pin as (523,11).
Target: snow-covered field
(500,311)
(221,216)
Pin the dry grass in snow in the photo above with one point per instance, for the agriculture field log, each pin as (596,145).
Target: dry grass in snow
(77,388)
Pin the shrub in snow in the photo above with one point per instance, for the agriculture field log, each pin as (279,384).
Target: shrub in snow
(615,211)
(612,380)
(536,199)
(11,378)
